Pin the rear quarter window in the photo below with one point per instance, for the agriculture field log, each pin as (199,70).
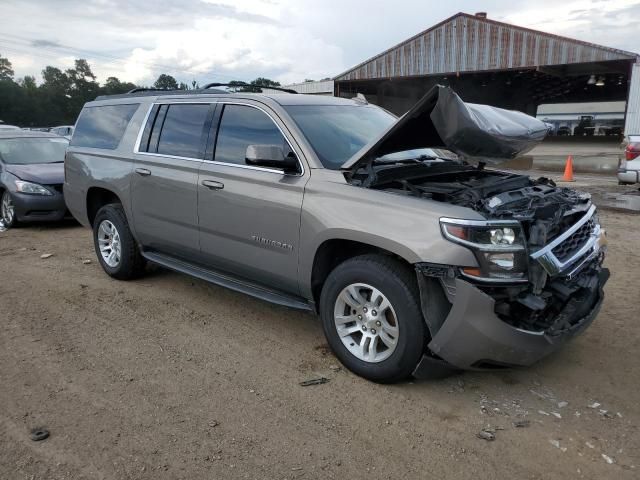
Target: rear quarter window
(103,126)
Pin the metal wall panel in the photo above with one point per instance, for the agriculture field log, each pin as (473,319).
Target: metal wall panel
(632,125)
(465,43)
(321,87)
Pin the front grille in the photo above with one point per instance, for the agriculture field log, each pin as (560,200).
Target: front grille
(57,187)
(569,246)
(566,302)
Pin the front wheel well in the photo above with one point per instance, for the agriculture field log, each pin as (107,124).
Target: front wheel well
(332,253)
(97,198)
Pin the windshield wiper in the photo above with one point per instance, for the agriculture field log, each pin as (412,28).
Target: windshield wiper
(417,160)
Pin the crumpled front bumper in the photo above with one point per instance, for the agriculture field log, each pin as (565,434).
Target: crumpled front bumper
(474,337)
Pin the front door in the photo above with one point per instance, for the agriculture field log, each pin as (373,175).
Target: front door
(250,216)
(164,184)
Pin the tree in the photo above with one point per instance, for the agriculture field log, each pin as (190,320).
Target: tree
(166,82)
(81,72)
(59,98)
(264,82)
(253,86)
(28,82)
(6,69)
(113,86)
(55,79)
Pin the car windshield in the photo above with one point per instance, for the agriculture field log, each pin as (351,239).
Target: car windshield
(336,132)
(27,151)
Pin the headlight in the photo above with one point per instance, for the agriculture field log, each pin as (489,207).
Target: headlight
(498,246)
(31,188)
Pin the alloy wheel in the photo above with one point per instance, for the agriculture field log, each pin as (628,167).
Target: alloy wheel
(109,243)
(366,323)
(8,209)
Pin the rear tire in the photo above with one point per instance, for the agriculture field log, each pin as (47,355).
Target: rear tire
(117,250)
(371,316)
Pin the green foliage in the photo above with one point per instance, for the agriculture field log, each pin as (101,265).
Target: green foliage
(253,86)
(6,69)
(57,100)
(166,82)
(62,94)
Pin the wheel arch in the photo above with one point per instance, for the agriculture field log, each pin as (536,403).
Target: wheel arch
(98,197)
(331,252)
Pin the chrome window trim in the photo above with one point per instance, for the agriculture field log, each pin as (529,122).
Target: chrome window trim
(136,146)
(137,151)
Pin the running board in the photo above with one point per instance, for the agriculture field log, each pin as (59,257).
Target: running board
(224,280)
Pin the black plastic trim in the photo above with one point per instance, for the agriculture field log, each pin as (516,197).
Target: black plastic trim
(225,280)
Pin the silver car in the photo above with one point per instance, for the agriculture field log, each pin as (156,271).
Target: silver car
(417,261)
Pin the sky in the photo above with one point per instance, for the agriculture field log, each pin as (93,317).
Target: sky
(285,40)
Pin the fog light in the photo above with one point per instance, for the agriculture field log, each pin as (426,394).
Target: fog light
(506,261)
(503,236)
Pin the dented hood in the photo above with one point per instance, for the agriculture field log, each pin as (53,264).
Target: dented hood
(441,119)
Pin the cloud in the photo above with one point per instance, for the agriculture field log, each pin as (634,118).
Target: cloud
(45,43)
(287,40)
(611,23)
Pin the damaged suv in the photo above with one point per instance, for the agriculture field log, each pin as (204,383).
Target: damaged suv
(417,257)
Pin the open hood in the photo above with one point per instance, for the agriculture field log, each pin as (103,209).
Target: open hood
(441,119)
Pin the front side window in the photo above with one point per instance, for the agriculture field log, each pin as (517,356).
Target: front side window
(103,126)
(182,130)
(242,126)
(28,151)
(336,132)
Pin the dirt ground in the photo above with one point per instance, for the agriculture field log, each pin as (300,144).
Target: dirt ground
(169,377)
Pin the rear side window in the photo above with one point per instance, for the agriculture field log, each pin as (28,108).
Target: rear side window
(183,129)
(242,126)
(102,127)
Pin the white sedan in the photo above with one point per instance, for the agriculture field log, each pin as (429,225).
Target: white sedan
(629,169)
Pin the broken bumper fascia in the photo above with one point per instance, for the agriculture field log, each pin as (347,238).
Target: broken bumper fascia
(473,337)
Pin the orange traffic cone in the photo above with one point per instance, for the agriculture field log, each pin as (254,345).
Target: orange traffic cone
(568,170)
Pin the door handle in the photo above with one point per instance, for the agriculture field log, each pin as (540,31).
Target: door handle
(143,171)
(213,185)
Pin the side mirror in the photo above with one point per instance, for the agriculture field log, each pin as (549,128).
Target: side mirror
(271,156)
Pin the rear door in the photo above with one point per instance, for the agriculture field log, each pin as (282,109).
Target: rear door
(164,183)
(249,215)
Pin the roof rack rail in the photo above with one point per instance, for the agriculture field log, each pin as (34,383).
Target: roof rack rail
(150,89)
(243,84)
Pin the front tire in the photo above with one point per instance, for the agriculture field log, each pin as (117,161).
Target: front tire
(117,250)
(8,210)
(371,316)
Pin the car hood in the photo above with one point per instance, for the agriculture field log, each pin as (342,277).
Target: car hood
(441,119)
(43,173)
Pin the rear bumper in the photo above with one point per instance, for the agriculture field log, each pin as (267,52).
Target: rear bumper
(474,337)
(39,208)
(628,176)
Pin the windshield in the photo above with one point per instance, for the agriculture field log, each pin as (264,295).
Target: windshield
(336,132)
(27,151)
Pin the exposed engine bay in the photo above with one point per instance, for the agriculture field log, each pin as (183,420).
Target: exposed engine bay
(548,301)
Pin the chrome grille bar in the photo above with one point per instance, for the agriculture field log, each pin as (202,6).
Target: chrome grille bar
(552,264)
